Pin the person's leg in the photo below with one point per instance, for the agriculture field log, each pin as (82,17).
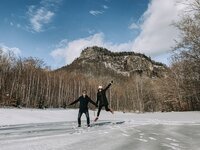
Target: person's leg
(88,117)
(98,113)
(79,117)
(99,110)
(108,109)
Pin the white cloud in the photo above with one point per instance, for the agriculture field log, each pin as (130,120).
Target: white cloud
(6,49)
(91,31)
(69,50)
(156,37)
(18,25)
(134,26)
(157,32)
(11,24)
(41,15)
(96,12)
(105,6)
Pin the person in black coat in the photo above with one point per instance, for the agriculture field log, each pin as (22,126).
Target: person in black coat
(102,100)
(83,107)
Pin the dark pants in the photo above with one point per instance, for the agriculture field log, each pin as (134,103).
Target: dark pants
(100,107)
(86,114)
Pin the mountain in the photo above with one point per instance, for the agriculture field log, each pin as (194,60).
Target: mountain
(97,61)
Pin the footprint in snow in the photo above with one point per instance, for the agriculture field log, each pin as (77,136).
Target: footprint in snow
(152,138)
(175,144)
(125,134)
(124,131)
(141,135)
(170,146)
(155,133)
(142,140)
(170,139)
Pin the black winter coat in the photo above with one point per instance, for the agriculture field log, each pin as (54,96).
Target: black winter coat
(83,102)
(101,97)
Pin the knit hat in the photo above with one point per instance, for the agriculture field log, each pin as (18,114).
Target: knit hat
(100,87)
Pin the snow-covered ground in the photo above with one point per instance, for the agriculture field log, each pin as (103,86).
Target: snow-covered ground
(56,129)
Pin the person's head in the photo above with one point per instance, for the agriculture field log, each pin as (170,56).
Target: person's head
(100,88)
(84,93)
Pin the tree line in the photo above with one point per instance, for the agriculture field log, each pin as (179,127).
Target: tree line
(27,82)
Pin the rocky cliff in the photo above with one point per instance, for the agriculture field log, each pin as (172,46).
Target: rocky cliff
(100,61)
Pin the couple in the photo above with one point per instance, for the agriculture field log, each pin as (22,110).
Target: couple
(101,102)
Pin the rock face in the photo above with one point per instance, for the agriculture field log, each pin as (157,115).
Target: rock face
(100,61)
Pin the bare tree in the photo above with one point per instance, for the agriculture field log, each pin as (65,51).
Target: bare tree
(186,60)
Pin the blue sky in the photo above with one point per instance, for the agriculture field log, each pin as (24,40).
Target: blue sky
(57,30)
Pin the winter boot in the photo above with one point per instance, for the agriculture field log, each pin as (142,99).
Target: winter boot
(111,111)
(96,119)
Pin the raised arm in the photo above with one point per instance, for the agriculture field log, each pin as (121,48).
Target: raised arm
(108,86)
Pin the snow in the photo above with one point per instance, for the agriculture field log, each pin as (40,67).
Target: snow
(114,68)
(56,129)
(24,116)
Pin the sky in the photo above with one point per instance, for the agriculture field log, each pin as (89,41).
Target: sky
(56,31)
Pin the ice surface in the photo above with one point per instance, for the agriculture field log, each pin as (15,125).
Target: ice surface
(56,129)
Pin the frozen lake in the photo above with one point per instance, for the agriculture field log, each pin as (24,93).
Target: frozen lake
(149,131)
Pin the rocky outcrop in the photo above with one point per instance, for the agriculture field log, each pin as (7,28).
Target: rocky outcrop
(97,59)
